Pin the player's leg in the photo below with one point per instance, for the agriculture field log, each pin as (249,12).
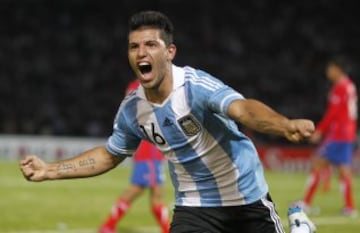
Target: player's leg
(313,180)
(341,156)
(326,178)
(344,159)
(158,207)
(119,209)
(345,174)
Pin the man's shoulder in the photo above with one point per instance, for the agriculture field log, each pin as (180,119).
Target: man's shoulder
(129,101)
(200,78)
(350,84)
(195,72)
(344,87)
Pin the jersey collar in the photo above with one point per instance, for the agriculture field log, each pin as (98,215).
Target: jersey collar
(178,75)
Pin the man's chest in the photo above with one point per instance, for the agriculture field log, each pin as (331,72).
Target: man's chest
(171,123)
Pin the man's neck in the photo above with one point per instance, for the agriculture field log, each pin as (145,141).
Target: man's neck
(339,79)
(159,94)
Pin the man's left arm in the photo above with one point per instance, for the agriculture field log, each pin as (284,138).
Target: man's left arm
(260,117)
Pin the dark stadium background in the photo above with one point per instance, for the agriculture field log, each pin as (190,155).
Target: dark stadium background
(63,64)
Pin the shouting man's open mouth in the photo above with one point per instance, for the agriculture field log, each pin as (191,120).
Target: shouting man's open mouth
(145,67)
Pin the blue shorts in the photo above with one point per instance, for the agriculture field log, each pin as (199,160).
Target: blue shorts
(337,153)
(147,173)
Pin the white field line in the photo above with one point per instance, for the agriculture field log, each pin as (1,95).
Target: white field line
(317,220)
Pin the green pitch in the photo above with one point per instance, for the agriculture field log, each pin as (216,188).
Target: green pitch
(81,205)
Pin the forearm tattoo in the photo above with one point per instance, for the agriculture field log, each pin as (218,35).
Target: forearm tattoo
(66,167)
(88,162)
(72,167)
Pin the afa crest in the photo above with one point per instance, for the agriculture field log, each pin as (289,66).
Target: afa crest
(189,125)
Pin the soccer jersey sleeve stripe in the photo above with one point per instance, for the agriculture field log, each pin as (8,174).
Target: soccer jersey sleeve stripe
(228,100)
(209,81)
(202,84)
(220,100)
(113,149)
(201,76)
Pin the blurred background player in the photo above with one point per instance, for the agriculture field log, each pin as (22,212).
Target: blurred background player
(337,130)
(147,174)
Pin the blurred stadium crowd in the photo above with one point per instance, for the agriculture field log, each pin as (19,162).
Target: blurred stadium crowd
(63,64)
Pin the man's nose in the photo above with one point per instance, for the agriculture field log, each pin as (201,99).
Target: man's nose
(142,51)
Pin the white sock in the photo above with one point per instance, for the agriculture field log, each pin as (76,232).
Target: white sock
(303,228)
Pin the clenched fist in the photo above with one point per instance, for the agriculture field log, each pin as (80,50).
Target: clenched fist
(33,168)
(300,129)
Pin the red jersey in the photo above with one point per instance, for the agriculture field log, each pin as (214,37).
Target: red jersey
(339,122)
(146,150)
(132,86)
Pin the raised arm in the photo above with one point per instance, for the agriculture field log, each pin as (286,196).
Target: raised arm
(90,163)
(260,117)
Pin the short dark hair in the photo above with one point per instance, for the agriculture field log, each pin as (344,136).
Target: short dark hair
(341,62)
(153,19)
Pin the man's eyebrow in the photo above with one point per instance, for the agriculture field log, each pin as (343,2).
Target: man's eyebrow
(133,43)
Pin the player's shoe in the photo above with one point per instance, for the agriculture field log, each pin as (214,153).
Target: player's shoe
(352,213)
(297,217)
(107,229)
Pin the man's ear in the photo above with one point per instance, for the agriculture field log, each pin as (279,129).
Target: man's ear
(171,52)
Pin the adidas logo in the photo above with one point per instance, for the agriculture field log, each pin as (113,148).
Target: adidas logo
(167,122)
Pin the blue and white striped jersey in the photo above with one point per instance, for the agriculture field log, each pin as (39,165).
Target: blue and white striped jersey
(211,162)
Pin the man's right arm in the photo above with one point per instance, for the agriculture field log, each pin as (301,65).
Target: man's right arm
(260,117)
(90,163)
